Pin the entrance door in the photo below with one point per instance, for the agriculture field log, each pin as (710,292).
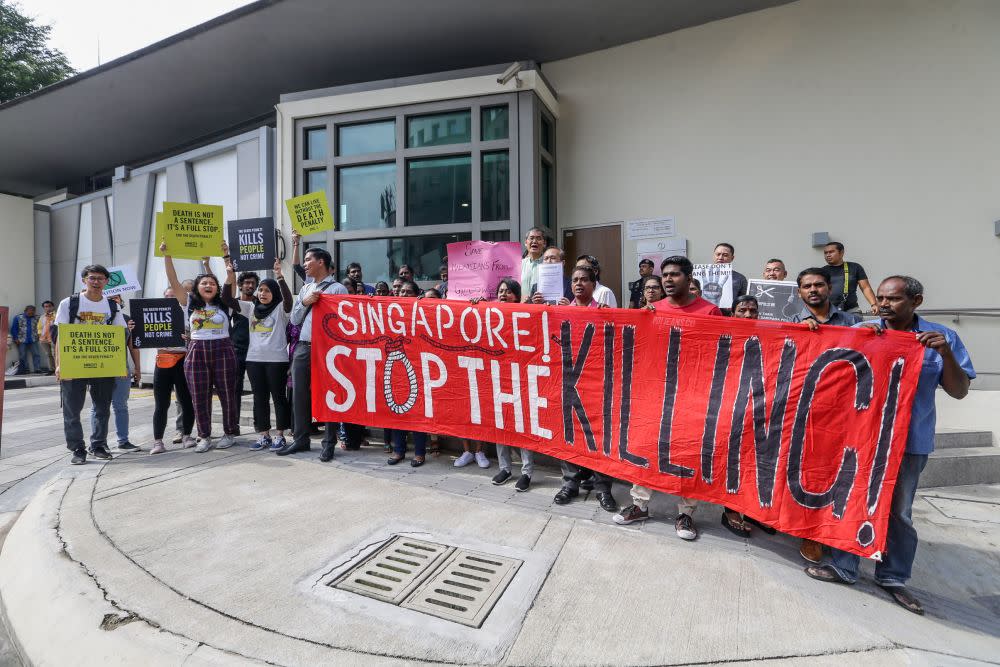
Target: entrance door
(604,243)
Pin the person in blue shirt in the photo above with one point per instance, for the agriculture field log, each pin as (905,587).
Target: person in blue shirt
(23,332)
(946,364)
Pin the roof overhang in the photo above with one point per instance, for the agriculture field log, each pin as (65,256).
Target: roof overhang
(227,74)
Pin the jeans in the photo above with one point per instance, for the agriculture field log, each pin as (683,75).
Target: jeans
(302,399)
(48,355)
(23,351)
(74,393)
(119,403)
(901,540)
(527,459)
(399,443)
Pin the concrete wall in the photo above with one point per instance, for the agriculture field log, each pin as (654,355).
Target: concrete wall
(873,121)
(17,252)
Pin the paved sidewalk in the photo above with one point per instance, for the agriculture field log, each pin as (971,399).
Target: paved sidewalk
(223,558)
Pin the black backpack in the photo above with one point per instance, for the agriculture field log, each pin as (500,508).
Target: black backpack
(74,314)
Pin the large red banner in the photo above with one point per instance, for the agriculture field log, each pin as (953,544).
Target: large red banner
(801,430)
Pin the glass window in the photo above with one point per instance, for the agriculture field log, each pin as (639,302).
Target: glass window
(315,144)
(546,132)
(545,195)
(496,235)
(495,123)
(439,129)
(367,196)
(438,190)
(380,259)
(315,180)
(496,186)
(366,138)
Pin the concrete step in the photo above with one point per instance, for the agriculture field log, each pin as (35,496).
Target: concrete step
(957,466)
(949,439)
(25,381)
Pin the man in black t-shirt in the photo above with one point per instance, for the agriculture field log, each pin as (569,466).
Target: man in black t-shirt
(646,267)
(845,279)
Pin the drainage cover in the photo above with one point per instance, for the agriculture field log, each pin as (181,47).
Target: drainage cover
(458,585)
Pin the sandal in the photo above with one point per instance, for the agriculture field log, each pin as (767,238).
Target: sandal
(904,598)
(417,461)
(737,527)
(825,573)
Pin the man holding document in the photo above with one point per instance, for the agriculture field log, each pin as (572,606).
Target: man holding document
(552,287)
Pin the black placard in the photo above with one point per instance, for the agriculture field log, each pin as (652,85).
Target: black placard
(776,299)
(251,244)
(158,323)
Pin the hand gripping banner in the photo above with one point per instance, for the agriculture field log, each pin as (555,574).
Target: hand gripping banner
(801,430)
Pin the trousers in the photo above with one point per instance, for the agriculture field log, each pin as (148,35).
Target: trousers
(74,393)
(302,398)
(166,380)
(267,381)
(212,364)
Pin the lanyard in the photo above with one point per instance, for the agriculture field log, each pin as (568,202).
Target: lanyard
(847,275)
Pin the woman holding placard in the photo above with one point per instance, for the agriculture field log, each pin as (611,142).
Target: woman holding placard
(211,360)
(267,358)
(168,376)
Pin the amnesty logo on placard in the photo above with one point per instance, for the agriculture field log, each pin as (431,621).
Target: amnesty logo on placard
(91,350)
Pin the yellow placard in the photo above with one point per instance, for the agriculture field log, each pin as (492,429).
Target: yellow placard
(91,351)
(191,231)
(310,213)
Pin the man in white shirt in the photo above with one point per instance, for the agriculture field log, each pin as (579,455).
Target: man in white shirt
(534,246)
(89,307)
(602,293)
(318,265)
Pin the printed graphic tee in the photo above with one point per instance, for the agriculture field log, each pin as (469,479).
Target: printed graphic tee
(267,336)
(207,323)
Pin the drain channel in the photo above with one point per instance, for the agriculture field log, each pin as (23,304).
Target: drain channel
(454,584)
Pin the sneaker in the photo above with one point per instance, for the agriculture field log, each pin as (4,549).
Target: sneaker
(501,477)
(128,447)
(482,460)
(178,438)
(263,442)
(277,443)
(631,514)
(204,444)
(100,453)
(189,441)
(465,459)
(79,457)
(158,448)
(523,482)
(685,528)
(225,442)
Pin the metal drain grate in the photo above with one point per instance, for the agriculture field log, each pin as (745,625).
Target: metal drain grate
(392,572)
(465,588)
(457,585)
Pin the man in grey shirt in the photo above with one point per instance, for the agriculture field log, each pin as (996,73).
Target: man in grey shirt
(814,290)
(318,265)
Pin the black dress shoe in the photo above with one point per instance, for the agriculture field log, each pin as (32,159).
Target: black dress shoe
(607,501)
(565,495)
(327,454)
(292,448)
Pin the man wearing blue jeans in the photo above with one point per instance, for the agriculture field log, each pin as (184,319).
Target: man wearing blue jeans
(119,399)
(946,363)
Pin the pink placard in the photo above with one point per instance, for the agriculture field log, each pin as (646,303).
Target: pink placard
(475,268)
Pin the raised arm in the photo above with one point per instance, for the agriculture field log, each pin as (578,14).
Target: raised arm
(175,285)
(296,259)
(286,294)
(228,294)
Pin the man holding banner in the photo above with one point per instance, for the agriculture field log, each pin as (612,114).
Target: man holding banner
(81,361)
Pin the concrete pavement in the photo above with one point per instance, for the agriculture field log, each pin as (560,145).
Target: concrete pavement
(225,557)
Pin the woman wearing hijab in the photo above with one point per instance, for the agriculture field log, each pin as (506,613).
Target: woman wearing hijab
(267,358)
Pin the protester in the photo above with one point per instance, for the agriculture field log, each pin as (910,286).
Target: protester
(725,253)
(646,267)
(408,289)
(442,287)
(845,279)
(354,273)
(188,285)
(267,358)
(168,375)
(406,273)
(44,328)
(119,399)
(554,255)
(946,364)
(534,246)
(432,293)
(675,273)
(382,288)
(775,270)
(318,266)
(695,287)
(584,280)
(602,294)
(396,284)
(211,360)
(240,333)
(88,307)
(24,333)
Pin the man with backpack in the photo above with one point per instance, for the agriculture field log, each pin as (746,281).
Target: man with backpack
(89,307)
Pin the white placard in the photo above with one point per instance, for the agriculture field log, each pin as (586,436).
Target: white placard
(649,227)
(123,279)
(716,283)
(550,281)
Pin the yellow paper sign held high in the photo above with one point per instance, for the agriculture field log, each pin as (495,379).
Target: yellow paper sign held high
(91,351)
(191,231)
(310,213)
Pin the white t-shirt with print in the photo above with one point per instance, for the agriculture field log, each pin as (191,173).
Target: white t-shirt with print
(268,342)
(208,323)
(90,312)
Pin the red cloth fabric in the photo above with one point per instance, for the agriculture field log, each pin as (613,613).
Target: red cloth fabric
(699,306)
